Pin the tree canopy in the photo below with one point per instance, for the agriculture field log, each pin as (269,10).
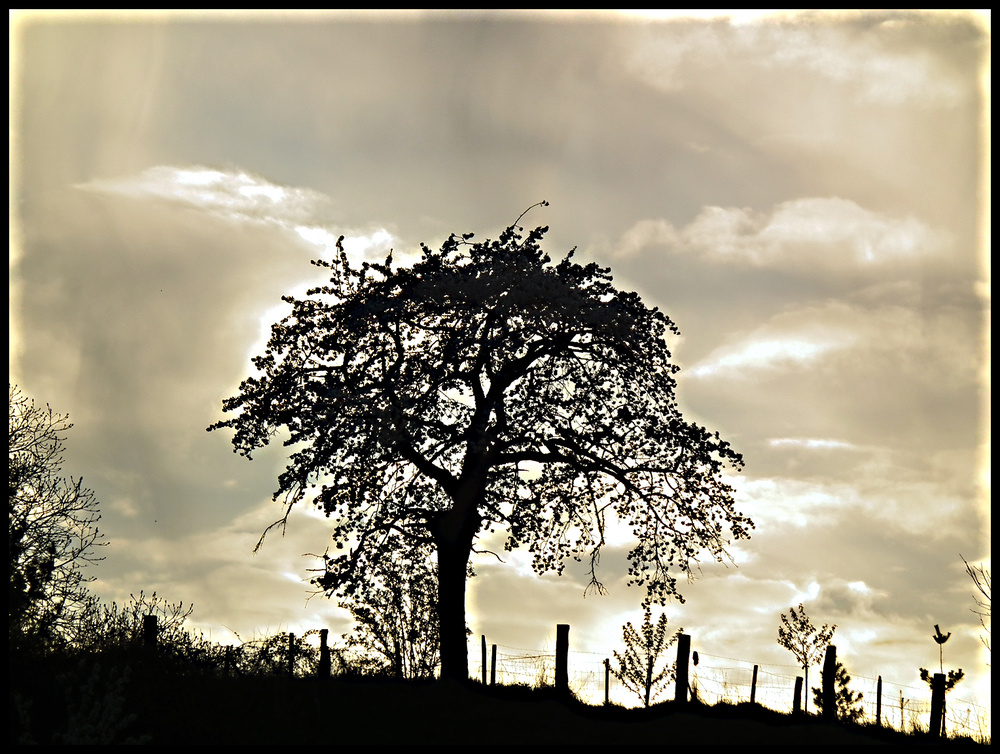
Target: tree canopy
(799,636)
(52,532)
(482,388)
(848,702)
(643,649)
(396,625)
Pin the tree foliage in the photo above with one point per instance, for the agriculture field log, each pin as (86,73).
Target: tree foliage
(118,627)
(485,388)
(396,618)
(952,679)
(807,643)
(848,702)
(637,667)
(116,631)
(52,530)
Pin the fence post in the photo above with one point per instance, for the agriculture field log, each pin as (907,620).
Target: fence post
(484,658)
(493,665)
(683,651)
(937,704)
(323,671)
(878,703)
(829,685)
(291,654)
(562,657)
(607,681)
(149,632)
(753,686)
(797,704)
(694,682)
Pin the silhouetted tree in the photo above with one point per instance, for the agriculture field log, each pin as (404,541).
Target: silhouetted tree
(953,678)
(848,702)
(981,579)
(52,530)
(485,388)
(396,617)
(807,643)
(118,627)
(637,666)
(268,656)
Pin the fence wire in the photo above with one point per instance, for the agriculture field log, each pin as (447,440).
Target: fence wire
(719,679)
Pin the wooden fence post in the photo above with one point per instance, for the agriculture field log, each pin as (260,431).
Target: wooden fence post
(937,704)
(829,686)
(323,671)
(753,686)
(694,681)
(562,657)
(878,703)
(493,665)
(683,652)
(484,658)
(150,634)
(607,681)
(797,704)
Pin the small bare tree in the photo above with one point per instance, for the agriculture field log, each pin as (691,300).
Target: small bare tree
(982,579)
(799,636)
(637,667)
(119,626)
(396,616)
(52,531)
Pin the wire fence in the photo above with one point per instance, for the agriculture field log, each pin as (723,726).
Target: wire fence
(713,680)
(717,679)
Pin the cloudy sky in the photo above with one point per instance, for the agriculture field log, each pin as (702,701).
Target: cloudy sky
(804,196)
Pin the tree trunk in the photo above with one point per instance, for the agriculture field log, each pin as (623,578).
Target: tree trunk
(453,560)
(454,533)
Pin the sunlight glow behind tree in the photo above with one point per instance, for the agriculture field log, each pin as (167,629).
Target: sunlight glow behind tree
(416,400)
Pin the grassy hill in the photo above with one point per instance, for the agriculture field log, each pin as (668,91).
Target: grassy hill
(91,704)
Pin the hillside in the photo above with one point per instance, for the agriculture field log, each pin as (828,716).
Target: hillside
(203,709)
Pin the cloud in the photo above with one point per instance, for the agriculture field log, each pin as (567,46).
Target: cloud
(229,193)
(811,443)
(762,352)
(215,570)
(817,235)
(910,506)
(643,234)
(789,341)
(875,64)
(863,62)
(848,597)
(937,347)
(241,196)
